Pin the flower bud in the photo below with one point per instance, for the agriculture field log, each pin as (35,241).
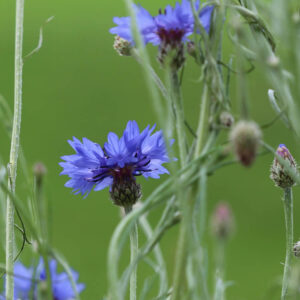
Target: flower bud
(125,192)
(222,223)
(245,137)
(278,173)
(296,249)
(122,46)
(39,171)
(226,119)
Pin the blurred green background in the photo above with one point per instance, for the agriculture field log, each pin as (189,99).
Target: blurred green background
(78,86)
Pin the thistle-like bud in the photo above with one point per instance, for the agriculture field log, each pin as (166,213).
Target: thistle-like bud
(296,249)
(125,192)
(226,119)
(122,46)
(222,223)
(278,173)
(245,137)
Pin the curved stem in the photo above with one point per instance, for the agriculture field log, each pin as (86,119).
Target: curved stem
(133,254)
(288,212)
(158,255)
(14,150)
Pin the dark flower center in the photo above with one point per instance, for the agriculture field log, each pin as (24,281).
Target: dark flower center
(171,37)
(122,174)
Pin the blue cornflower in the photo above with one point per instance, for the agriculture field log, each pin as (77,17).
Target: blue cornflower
(170,27)
(61,285)
(118,163)
(26,281)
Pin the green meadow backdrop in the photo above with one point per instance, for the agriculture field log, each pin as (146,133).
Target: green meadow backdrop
(78,86)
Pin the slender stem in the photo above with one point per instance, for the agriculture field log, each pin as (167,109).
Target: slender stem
(14,151)
(133,254)
(201,124)
(179,113)
(159,257)
(49,295)
(182,243)
(288,212)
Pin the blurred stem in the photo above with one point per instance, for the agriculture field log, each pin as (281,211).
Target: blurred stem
(201,124)
(14,150)
(159,257)
(182,244)
(179,113)
(43,227)
(49,295)
(288,212)
(133,255)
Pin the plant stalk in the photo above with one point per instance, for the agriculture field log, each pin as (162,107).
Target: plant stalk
(14,150)
(179,113)
(133,254)
(288,212)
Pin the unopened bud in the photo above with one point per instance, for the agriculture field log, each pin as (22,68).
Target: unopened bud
(278,174)
(125,192)
(39,171)
(122,46)
(222,223)
(296,249)
(226,119)
(245,137)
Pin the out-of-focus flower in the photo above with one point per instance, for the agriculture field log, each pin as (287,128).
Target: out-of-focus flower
(118,163)
(28,280)
(278,174)
(171,25)
(169,30)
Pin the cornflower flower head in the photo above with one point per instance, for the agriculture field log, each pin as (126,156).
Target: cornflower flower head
(117,164)
(169,30)
(28,280)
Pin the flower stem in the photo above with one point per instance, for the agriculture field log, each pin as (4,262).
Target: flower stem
(14,150)
(288,212)
(133,254)
(179,113)
(201,124)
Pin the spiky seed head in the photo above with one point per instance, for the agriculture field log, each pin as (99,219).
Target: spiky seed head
(226,119)
(222,222)
(122,46)
(126,192)
(245,138)
(278,173)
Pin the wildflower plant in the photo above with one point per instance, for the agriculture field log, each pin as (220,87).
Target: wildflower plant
(188,28)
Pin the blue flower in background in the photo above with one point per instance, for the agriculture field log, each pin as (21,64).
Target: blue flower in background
(121,159)
(22,282)
(61,285)
(171,27)
(26,282)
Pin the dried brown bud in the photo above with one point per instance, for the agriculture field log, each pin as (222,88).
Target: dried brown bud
(245,137)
